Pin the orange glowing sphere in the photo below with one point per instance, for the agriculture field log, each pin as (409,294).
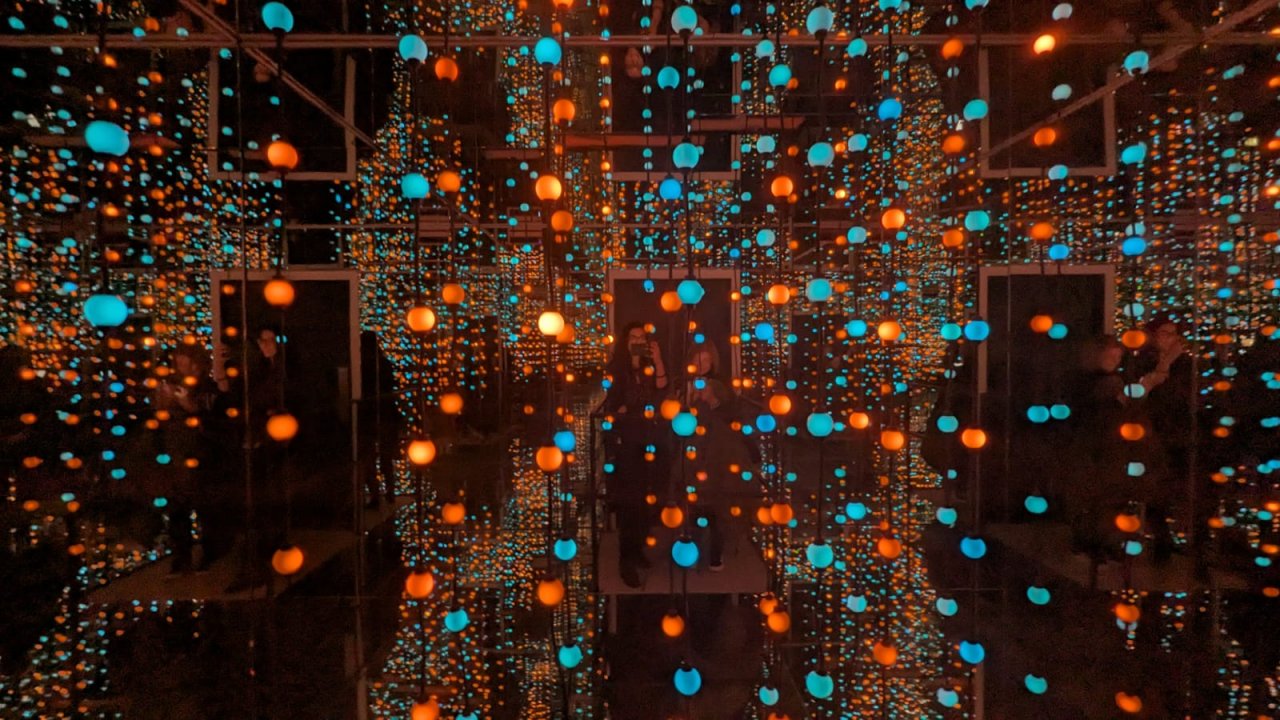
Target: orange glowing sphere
(282,156)
(419,584)
(670,301)
(884,653)
(779,404)
(421,319)
(973,438)
(550,591)
(452,294)
(563,111)
(562,221)
(428,709)
(952,48)
(1045,43)
(669,408)
(859,420)
(889,548)
(892,440)
(781,513)
(672,516)
(1129,703)
(1128,522)
(953,238)
(1133,339)
(548,188)
(1133,431)
(672,624)
(768,603)
(551,323)
(782,186)
(1042,231)
(451,403)
(779,294)
(449,181)
(287,560)
(446,69)
(282,427)
(1045,137)
(453,513)
(763,516)
(422,452)
(1041,323)
(779,621)
(893,219)
(1128,613)
(954,144)
(549,458)
(278,292)
(889,330)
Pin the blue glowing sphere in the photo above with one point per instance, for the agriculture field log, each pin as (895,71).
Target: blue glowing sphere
(973,548)
(277,17)
(686,155)
(977,220)
(684,424)
(1135,469)
(947,516)
(684,552)
(764,332)
(768,695)
(570,656)
(779,75)
(1057,331)
(975,109)
(977,330)
(855,510)
(413,48)
(765,48)
(1035,684)
(565,440)
(1063,11)
(670,189)
(106,137)
(857,47)
(856,603)
(688,680)
(1137,62)
(972,653)
(818,290)
(820,20)
(414,186)
(890,109)
(473,715)
(766,423)
(820,425)
(950,332)
(566,549)
(766,144)
(947,697)
(1057,172)
(1038,595)
(456,620)
(1061,91)
(547,51)
(820,555)
(1059,411)
(975,4)
(856,235)
(1133,246)
(766,238)
(668,78)
(1035,504)
(1038,414)
(856,328)
(947,423)
(1058,252)
(819,685)
(104,310)
(857,143)
(684,19)
(1134,154)
(821,154)
(1132,548)
(690,291)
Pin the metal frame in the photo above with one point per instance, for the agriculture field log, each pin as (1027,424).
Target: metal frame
(986,272)
(612,275)
(300,273)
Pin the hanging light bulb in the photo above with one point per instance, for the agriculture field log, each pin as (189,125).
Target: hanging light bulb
(287,560)
(446,69)
(282,155)
(548,188)
(278,292)
(277,17)
(550,323)
(413,48)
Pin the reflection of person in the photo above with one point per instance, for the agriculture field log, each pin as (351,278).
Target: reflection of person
(638,378)
(1169,403)
(719,448)
(187,396)
(378,422)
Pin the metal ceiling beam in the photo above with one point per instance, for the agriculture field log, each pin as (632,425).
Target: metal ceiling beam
(336,40)
(1174,52)
(230,34)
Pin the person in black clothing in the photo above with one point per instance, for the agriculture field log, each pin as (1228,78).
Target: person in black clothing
(378,422)
(638,379)
(1168,378)
(186,397)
